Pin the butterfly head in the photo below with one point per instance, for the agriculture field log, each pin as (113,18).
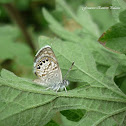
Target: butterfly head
(65,82)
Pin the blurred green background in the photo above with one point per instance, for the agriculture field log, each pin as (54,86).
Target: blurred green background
(22,21)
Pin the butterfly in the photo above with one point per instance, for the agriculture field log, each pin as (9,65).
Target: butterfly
(47,70)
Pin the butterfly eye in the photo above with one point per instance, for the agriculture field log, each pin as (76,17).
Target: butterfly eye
(40,63)
(38,67)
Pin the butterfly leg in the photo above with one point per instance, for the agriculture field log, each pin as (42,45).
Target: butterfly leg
(62,87)
(48,88)
(56,88)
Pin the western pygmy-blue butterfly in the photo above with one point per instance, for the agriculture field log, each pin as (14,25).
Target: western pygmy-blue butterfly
(48,71)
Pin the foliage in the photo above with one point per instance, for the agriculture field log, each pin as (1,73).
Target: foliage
(8,35)
(100,70)
(115,36)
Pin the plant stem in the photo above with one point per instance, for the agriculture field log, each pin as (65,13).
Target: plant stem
(16,17)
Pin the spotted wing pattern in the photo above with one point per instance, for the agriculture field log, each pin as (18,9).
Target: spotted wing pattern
(47,68)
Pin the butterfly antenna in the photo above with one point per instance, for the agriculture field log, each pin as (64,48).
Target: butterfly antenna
(68,71)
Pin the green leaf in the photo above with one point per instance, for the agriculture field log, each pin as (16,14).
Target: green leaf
(121,4)
(82,60)
(6,1)
(83,18)
(51,123)
(99,52)
(50,18)
(105,19)
(115,36)
(28,104)
(123,86)
(10,49)
(22,102)
(73,115)
(22,4)
(122,17)
(102,55)
(67,122)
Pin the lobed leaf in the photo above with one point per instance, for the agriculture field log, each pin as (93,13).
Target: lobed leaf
(115,36)
(103,56)
(24,103)
(121,4)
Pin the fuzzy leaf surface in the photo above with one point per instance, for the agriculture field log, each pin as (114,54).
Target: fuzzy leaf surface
(24,103)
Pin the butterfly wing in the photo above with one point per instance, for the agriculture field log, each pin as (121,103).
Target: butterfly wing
(47,68)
